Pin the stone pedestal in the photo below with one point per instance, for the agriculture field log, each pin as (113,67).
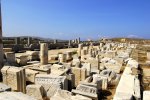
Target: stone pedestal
(44,53)
(62,58)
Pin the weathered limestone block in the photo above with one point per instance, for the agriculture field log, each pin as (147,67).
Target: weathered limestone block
(4,73)
(137,90)
(14,77)
(76,63)
(80,97)
(123,96)
(80,74)
(146,95)
(43,53)
(87,91)
(101,81)
(30,75)
(62,95)
(59,70)
(10,56)
(36,91)
(111,54)
(52,89)
(62,58)
(7,50)
(22,59)
(33,55)
(4,87)
(83,73)
(129,86)
(53,57)
(15,96)
(133,63)
(77,73)
(69,55)
(112,77)
(88,67)
(114,67)
(95,64)
(41,70)
(45,80)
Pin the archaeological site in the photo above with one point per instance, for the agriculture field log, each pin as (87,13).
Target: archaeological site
(33,68)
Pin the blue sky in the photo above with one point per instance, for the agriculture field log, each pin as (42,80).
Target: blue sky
(69,19)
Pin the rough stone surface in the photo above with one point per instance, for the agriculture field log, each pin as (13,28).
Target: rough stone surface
(14,77)
(36,91)
(43,53)
(4,87)
(15,96)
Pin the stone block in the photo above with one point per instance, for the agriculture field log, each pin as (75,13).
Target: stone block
(77,73)
(10,57)
(62,95)
(36,91)
(4,87)
(7,50)
(15,78)
(80,97)
(33,55)
(30,75)
(22,59)
(87,91)
(146,95)
(15,96)
(45,80)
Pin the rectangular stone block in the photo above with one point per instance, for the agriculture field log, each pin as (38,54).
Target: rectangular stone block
(14,77)
(30,75)
(43,79)
(83,74)
(77,73)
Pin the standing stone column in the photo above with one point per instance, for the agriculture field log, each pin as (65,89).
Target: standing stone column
(69,43)
(17,40)
(1,44)
(79,40)
(55,41)
(44,53)
(80,47)
(29,40)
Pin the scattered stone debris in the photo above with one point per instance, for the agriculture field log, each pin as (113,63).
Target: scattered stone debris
(85,73)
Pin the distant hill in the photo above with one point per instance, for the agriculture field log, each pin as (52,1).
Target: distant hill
(34,37)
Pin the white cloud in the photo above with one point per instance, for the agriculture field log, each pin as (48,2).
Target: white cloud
(133,36)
